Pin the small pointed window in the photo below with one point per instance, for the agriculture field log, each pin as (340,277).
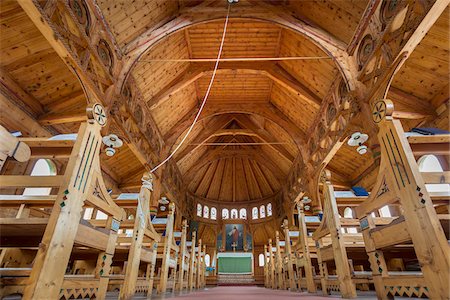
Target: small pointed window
(262,211)
(205,212)
(261,260)
(234,213)
(199,210)
(269,209)
(213,213)
(243,213)
(42,167)
(254,213)
(225,214)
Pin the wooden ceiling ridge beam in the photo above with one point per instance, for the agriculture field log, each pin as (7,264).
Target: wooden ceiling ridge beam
(413,103)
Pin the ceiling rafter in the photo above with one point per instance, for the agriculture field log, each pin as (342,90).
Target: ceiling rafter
(270,70)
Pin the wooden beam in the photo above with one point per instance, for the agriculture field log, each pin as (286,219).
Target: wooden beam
(186,78)
(13,91)
(286,80)
(61,118)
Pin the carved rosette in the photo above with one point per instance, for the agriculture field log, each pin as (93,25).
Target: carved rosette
(97,113)
(382,109)
(81,12)
(105,54)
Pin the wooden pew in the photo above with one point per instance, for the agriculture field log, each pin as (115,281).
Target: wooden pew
(339,244)
(399,181)
(57,229)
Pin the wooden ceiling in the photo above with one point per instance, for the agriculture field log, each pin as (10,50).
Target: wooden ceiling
(267,109)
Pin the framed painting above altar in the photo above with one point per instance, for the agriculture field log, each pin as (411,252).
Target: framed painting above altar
(234,237)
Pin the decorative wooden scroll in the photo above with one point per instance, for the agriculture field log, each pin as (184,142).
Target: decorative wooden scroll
(326,135)
(399,180)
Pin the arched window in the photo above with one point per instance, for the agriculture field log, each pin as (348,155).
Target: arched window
(205,211)
(225,214)
(385,212)
(254,213)
(243,213)
(207,260)
(348,213)
(269,209)
(199,210)
(213,213)
(43,167)
(262,211)
(234,213)
(261,260)
(430,163)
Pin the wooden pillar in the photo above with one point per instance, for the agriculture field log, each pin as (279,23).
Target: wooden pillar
(303,238)
(279,262)
(182,259)
(273,284)
(53,255)
(104,262)
(323,269)
(152,269)
(266,268)
(376,259)
(288,249)
(346,285)
(134,255)
(192,263)
(167,250)
(199,263)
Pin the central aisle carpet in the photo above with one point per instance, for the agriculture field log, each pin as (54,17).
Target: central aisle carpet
(248,293)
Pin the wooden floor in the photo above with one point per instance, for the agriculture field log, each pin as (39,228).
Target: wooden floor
(247,293)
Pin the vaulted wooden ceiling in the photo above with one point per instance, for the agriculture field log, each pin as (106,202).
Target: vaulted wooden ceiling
(267,109)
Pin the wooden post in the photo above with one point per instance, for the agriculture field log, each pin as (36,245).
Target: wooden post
(182,260)
(104,261)
(192,263)
(167,250)
(273,284)
(152,269)
(51,260)
(376,259)
(303,238)
(279,262)
(346,285)
(199,264)
(266,268)
(323,269)
(134,255)
(288,249)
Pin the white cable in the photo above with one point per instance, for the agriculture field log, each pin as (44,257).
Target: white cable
(204,99)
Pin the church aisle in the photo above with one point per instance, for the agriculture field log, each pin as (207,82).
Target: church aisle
(249,293)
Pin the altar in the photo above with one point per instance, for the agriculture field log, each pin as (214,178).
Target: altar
(235,263)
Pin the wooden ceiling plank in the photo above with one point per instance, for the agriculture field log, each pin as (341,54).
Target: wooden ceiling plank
(61,118)
(286,80)
(182,81)
(13,91)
